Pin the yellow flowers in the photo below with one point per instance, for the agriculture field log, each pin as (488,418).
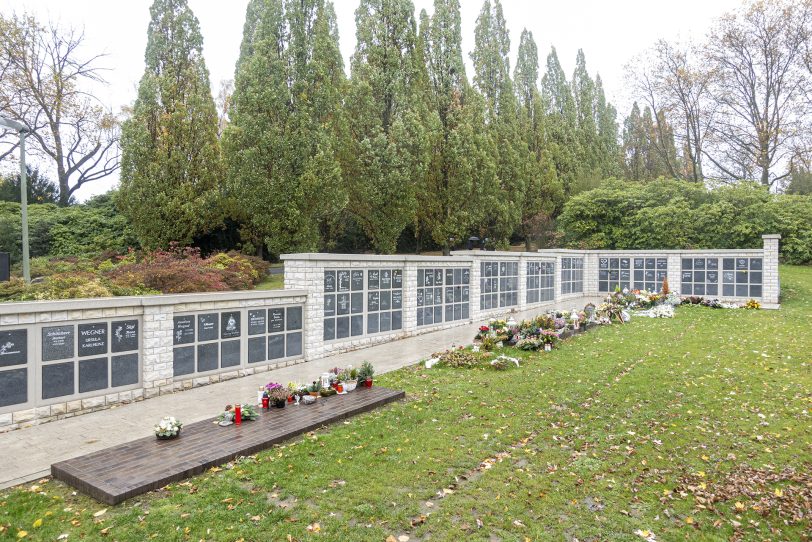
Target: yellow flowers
(37,523)
(739,506)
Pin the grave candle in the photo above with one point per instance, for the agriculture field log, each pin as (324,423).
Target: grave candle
(237,415)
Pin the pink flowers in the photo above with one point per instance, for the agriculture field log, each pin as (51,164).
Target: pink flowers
(270,386)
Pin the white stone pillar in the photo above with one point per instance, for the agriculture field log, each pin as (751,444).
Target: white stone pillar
(771,282)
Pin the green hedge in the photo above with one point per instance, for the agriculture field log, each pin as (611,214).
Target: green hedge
(88,229)
(673,215)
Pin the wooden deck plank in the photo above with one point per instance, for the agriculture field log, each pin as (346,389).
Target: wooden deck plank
(118,473)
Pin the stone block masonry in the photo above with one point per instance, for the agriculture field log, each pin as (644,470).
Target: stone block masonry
(63,358)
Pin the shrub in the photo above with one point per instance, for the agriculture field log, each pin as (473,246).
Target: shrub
(183,270)
(667,214)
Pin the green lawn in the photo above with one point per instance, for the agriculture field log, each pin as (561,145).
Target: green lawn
(693,428)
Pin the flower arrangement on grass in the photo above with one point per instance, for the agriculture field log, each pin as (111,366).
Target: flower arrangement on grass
(168,427)
(502,362)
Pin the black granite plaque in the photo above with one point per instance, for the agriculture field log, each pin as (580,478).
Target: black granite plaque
(57,342)
(276,347)
(357,302)
(397,320)
(295,318)
(386,321)
(208,327)
(466,276)
(92,342)
(755,264)
(329,305)
(92,374)
(124,336)
(373,301)
(397,278)
(230,324)
(329,281)
(329,329)
(207,357)
(256,322)
(124,370)
(342,327)
(357,280)
(343,279)
(276,320)
(57,380)
(386,300)
(14,347)
(373,279)
(397,299)
(357,325)
(229,353)
(372,323)
(14,387)
(342,304)
(293,344)
(184,329)
(183,360)
(256,349)
(386,279)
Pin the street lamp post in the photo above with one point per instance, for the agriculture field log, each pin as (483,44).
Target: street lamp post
(23,132)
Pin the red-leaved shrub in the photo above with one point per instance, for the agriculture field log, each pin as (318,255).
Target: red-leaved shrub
(183,270)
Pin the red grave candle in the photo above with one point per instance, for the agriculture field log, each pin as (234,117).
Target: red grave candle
(266,402)
(237,415)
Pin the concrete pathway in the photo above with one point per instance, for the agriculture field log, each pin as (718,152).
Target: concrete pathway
(27,453)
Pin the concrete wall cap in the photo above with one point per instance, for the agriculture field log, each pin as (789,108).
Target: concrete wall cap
(402,258)
(15,307)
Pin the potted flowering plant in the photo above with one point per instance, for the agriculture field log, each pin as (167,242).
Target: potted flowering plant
(548,338)
(365,374)
(292,389)
(314,388)
(278,397)
(168,428)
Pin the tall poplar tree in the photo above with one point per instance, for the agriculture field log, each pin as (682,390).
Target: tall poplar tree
(513,158)
(463,169)
(561,122)
(389,149)
(543,190)
(286,125)
(583,93)
(170,153)
(609,160)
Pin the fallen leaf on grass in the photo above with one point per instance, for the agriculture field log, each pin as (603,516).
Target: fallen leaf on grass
(37,523)
(314,528)
(100,513)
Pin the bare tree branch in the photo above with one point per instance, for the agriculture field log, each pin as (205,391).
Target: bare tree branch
(45,86)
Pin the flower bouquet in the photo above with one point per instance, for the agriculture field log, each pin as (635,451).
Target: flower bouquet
(168,428)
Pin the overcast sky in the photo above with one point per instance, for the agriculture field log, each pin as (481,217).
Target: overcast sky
(610,33)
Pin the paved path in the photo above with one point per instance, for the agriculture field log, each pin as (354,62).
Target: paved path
(27,453)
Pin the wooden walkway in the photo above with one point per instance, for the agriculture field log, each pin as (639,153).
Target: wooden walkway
(118,473)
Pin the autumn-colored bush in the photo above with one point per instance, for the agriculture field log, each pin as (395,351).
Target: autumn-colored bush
(240,272)
(173,271)
(183,270)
